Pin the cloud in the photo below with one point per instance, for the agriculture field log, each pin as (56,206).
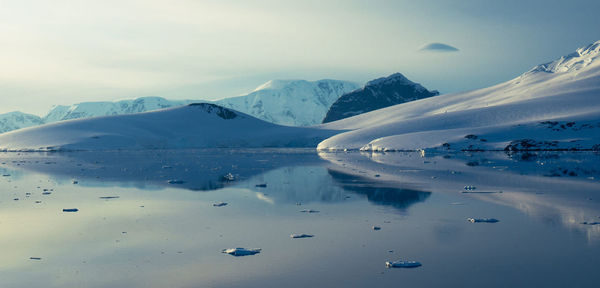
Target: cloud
(438,47)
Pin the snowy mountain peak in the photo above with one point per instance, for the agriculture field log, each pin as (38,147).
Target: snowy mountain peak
(290,102)
(396,77)
(279,84)
(215,109)
(575,61)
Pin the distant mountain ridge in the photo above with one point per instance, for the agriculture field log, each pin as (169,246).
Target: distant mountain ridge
(285,102)
(377,94)
(17,120)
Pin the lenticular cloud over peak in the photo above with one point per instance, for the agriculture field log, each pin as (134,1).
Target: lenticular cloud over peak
(438,47)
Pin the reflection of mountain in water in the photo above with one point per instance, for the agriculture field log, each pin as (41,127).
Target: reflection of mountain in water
(380,193)
(187,169)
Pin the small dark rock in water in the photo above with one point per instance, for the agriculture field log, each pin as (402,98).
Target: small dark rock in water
(70,210)
(241,251)
(309,211)
(220,204)
(35,258)
(108,197)
(402,264)
(175,181)
(16,199)
(296,236)
(264,185)
(376,228)
(482,220)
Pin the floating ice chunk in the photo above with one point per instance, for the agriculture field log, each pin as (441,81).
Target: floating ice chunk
(228,177)
(376,228)
(482,220)
(301,236)
(309,211)
(220,204)
(241,251)
(70,210)
(175,181)
(402,264)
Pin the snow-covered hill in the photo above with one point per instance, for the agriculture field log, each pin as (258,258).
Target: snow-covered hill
(201,125)
(553,106)
(379,93)
(290,102)
(95,109)
(17,120)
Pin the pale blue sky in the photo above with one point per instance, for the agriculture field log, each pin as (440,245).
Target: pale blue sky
(63,52)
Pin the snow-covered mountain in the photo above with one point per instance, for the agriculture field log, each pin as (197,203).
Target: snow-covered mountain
(290,102)
(553,106)
(17,120)
(379,93)
(200,125)
(95,109)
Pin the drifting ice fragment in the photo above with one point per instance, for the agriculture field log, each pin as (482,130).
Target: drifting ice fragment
(228,177)
(309,211)
(402,264)
(241,251)
(482,220)
(220,204)
(301,236)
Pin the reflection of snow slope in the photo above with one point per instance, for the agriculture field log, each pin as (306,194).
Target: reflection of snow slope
(561,187)
(564,91)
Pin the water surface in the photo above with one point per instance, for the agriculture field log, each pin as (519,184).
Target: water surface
(146,219)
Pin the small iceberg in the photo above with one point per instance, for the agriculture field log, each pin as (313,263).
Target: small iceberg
(295,236)
(220,204)
(402,264)
(241,251)
(483,220)
(228,177)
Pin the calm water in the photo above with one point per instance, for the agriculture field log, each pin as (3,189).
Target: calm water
(163,230)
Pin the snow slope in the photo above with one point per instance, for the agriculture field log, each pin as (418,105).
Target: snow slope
(199,125)
(516,115)
(17,120)
(290,102)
